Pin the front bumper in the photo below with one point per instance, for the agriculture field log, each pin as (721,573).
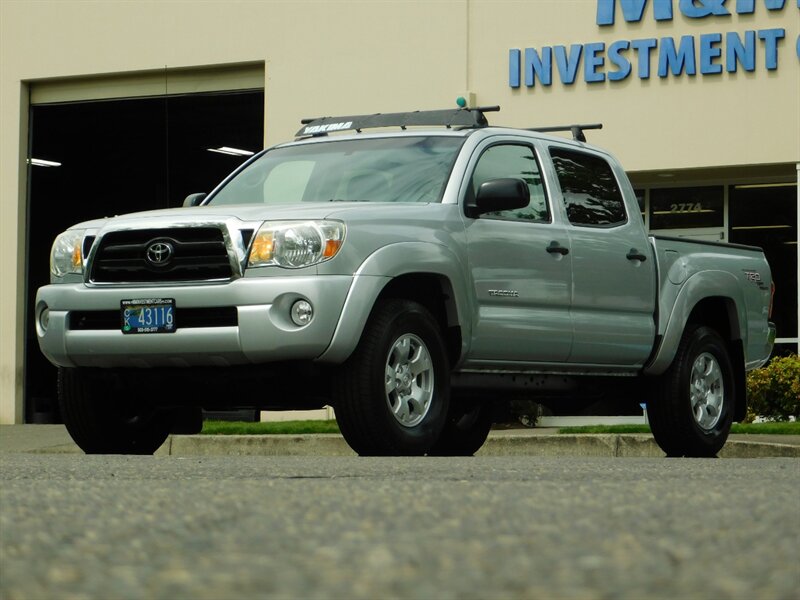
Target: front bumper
(263,332)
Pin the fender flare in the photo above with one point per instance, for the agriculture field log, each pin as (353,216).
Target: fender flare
(374,274)
(698,287)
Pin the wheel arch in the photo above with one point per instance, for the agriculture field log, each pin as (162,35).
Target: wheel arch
(711,298)
(434,291)
(722,313)
(430,274)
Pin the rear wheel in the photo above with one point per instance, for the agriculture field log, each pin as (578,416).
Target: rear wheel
(465,430)
(692,411)
(104,416)
(392,394)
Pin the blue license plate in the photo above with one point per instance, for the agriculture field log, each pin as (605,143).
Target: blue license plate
(148,315)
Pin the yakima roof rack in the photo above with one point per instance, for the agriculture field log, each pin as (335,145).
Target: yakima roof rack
(465,118)
(577,130)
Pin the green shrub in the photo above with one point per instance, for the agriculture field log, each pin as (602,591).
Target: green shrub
(773,392)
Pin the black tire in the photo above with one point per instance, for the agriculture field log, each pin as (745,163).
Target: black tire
(693,405)
(465,430)
(103,416)
(379,416)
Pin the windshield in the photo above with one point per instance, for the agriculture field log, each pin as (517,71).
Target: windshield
(397,169)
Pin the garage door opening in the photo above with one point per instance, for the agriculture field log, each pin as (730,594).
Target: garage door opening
(96,159)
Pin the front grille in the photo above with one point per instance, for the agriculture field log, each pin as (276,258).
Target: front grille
(185,318)
(188,254)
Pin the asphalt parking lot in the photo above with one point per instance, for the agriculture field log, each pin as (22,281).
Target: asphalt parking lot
(74,526)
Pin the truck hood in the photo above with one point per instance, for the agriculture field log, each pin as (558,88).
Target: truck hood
(250,213)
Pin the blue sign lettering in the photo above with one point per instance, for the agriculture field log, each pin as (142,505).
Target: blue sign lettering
(676,60)
(568,65)
(513,67)
(744,7)
(543,67)
(593,61)
(615,61)
(633,10)
(616,58)
(697,9)
(737,52)
(771,38)
(643,49)
(710,50)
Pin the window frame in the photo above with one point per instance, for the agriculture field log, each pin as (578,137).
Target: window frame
(594,155)
(542,174)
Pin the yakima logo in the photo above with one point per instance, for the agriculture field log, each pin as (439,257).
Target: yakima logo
(327,127)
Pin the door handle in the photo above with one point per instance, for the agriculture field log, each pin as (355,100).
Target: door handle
(556,248)
(634,254)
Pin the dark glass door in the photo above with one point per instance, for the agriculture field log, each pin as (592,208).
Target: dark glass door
(118,156)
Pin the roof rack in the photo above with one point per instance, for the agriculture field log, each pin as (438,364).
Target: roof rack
(464,118)
(577,130)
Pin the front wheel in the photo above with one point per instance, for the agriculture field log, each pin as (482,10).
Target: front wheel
(692,411)
(104,416)
(391,396)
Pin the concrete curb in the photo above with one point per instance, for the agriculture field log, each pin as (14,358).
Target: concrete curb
(618,446)
(588,445)
(257,445)
(54,439)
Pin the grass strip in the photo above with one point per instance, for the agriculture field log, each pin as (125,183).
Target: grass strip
(269,428)
(605,429)
(781,428)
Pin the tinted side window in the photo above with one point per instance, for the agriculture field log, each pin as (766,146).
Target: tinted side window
(591,193)
(513,160)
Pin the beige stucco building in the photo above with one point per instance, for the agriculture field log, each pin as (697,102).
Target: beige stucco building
(699,100)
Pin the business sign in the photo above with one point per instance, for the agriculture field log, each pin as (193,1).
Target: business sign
(689,55)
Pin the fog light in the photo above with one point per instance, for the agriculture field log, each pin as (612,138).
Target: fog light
(44,319)
(302,313)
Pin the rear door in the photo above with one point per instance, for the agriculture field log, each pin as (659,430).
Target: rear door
(522,285)
(613,272)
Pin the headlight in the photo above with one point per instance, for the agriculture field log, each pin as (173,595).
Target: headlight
(296,244)
(66,255)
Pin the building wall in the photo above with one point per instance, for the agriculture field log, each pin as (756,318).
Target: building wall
(360,57)
(656,123)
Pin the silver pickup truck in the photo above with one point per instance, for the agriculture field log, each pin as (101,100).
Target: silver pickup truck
(415,276)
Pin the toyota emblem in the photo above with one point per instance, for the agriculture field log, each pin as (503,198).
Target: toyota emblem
(159,254)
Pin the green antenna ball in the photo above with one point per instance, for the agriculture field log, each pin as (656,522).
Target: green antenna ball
(461,101)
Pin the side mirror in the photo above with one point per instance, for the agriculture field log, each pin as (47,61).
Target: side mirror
(500,194)
(194,199)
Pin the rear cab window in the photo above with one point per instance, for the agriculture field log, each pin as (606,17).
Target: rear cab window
(591,193)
